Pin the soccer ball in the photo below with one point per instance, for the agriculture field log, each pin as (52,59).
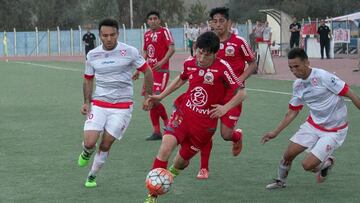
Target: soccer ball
(158,181)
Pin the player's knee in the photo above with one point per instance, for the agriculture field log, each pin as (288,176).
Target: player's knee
(104,147)
(307,166)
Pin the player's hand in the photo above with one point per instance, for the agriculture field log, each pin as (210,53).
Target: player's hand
(147,104)
(158,65)
(85,109)
(217,111)
(154,99)
(268,136)
(136,75)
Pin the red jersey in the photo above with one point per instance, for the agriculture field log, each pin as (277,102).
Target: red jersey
(206,87)
(236,52)
(156,44)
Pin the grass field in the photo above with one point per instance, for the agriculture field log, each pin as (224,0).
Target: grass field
(41,134)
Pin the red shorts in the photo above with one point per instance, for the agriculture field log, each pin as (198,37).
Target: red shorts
(231,118)
(161,79)
(190,132)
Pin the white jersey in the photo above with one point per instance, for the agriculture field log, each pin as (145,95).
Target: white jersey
(113,70)
(321,92)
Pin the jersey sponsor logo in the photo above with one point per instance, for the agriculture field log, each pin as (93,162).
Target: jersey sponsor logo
(231,44)
(154,37)
(221,45)
(152,60)
(201,72)
(151,51)
(123,52)
(191,68)
(213,70)
(198,96)
(194,148)
(107,62)
(246,53)
(209,78)
(230,51)
(231,81)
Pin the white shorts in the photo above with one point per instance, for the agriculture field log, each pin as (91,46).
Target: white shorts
(114,121)
(321,144)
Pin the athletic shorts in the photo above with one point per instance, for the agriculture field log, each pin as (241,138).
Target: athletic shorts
(231,118)
(161,79)
(191,133)
(320,143)
(114,121)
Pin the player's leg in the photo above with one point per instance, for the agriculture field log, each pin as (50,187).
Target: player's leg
(228,131)
(100,158)
(116,124)
(290,154)
(204,161)
(320,159)
(93,126)
(292,41)
(89,146)
(158,111)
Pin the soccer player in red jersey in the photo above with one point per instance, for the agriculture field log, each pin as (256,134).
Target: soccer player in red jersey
(235,50)
(194,120)
(158,48)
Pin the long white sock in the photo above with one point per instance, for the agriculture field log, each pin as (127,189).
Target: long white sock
(283,171)
(99,160)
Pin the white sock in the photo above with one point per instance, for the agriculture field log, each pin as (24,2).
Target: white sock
(283,171)
(99,160)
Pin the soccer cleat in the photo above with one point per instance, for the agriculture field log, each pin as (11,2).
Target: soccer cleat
(175,172)
(90,182)
(154,136)
(323,173)
(83,159)
(276,184)
(237,146)
(150,199)
(203,174)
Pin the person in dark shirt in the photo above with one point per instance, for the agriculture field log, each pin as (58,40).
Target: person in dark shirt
(324,35)
(89,41)
(294,28)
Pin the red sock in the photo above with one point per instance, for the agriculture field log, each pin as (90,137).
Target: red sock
(205,156)
(162,113)
(236,136)
(154,116)
(159,164)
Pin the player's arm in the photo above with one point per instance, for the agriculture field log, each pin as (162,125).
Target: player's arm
(248,71)
(289,117)
(87,91)
(169,53)
(353,97)
(220,110)
(148,83)
(174,85)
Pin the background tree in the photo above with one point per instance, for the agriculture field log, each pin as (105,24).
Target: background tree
(197,13)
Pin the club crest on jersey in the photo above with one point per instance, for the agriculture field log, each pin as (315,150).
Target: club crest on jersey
(123,52)
(209,78)
(201,72)
(229,51)
(314,81)
(151,51)
(221,45)
(154,37)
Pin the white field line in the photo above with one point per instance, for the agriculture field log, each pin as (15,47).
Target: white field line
(49,66)
(77,70)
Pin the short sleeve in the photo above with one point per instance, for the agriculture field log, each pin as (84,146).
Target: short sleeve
(334,83)
(184,75)
(230,77)
(295,103)
(169,40)
(245,51)
(89,69)
(137,60)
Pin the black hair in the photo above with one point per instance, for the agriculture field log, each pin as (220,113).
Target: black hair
(297,53)
(153,13)
(220,10)
(109,22)
(208,41)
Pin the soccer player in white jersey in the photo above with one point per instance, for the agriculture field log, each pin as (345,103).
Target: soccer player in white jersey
(326,126)
(109,108)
